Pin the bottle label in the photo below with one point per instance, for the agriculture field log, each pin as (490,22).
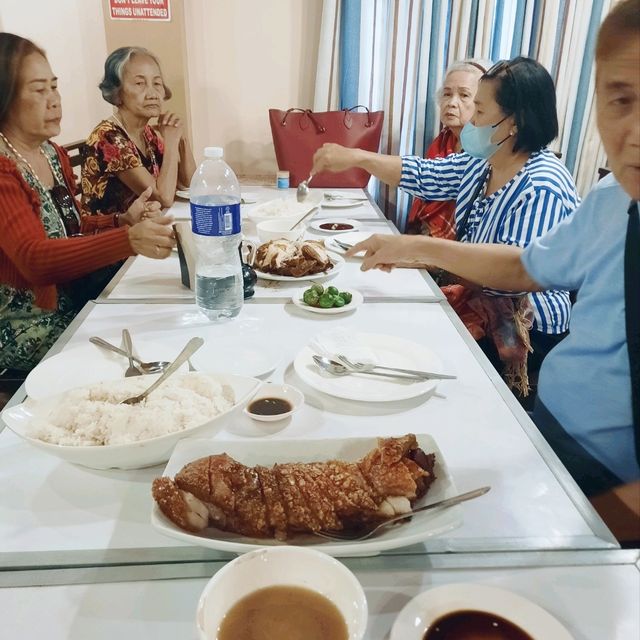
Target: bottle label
(215,220)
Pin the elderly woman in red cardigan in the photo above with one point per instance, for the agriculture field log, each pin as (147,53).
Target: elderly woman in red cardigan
(48,253)
(455,100)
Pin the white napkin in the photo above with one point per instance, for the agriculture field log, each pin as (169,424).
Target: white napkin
(341,341)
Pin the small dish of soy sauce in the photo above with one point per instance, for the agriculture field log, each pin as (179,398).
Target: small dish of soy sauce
(274,402)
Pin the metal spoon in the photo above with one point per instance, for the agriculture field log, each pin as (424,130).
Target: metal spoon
(192,346)
(132,370)
(302,191)
(337,369)
(304,217)
(147,367)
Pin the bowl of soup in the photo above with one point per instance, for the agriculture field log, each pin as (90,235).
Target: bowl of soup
(283,592)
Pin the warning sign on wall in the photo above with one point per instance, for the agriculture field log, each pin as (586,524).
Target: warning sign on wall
(140,9)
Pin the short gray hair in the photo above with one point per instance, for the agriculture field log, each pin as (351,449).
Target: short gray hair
(477,65)
(114,69)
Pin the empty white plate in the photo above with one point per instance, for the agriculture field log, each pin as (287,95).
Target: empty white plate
(237,355)
(86,364)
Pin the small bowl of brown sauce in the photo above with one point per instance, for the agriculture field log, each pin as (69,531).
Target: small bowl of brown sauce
(274,402)
(475,612)
(290,593)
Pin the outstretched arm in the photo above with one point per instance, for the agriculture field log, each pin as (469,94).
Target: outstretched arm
(489,265)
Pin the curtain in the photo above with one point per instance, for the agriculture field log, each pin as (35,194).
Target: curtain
(392,55)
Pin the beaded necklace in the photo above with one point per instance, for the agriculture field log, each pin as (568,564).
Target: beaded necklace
(24,161)
(62,214)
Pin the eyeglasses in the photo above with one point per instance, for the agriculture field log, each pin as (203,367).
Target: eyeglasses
(66,206)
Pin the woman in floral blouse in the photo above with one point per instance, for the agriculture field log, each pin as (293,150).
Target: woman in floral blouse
(124,155)
(52,260)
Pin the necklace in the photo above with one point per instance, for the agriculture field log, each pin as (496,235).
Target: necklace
(60,208)
(150,154)
(24,161)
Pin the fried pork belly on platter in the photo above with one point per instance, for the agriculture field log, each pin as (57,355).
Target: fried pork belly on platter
(292,498)
(295,259)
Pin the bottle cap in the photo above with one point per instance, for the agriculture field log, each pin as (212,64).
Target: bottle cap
(283,174)
(213,152)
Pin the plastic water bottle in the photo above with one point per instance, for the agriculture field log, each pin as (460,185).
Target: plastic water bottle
(215,221)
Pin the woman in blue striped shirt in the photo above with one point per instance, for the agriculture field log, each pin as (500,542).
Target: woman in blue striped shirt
(509,188)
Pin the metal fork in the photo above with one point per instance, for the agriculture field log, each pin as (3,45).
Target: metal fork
(363,368)
(343,245)
(357,536)
(132,369)
(333,196)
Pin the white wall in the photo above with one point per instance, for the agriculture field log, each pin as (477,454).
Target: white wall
(243,57)
(72,34)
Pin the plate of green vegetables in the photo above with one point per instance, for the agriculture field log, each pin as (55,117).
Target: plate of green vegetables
(327,300)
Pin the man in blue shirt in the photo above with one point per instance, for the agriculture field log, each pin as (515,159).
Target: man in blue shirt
(587,396)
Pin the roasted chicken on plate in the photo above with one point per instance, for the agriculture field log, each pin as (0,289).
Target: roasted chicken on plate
(295,259)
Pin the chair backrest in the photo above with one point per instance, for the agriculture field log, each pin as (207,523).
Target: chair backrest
(75,151)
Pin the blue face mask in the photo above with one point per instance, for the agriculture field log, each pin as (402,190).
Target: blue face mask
(476,141)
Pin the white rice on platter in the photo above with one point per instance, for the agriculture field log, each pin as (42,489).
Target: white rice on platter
(93,416)
(281,207)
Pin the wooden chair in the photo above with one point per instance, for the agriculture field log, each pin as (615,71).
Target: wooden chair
(75,151)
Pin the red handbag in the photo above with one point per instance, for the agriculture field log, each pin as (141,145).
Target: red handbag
(299,133)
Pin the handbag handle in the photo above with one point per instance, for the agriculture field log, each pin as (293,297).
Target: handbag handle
(369,122)
(316,123)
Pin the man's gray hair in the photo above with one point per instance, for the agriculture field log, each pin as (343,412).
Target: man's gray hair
(114,69)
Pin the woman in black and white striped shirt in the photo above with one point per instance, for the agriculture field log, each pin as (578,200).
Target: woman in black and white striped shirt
(509,188)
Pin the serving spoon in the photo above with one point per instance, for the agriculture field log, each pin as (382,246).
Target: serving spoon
(337,369)
(191,347)
(147,367)
(302,192)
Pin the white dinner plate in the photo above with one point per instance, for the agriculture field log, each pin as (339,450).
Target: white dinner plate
(269,452)
(338,262)
(356,300)
(86,364)
(317,225)
(389,351)
(183,193)
(239,355)
(347,238)
(284,208)
(419,613)
(342,203)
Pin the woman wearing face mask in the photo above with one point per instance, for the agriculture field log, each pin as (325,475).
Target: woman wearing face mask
(455,101)
(509,189)
(124,154)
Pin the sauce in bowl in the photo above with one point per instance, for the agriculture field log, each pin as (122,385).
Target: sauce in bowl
(474,625)
(336,226)
(280,612)
(269,407)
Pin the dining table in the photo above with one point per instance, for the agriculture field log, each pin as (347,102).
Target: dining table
(79,557)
